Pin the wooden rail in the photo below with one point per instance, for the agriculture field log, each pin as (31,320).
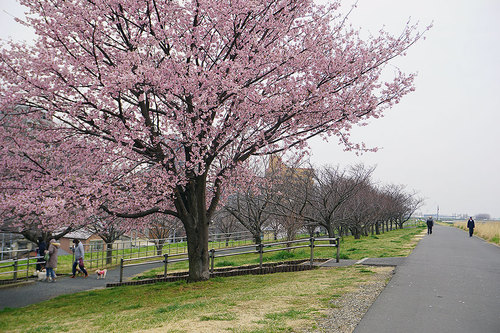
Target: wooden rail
(234,251)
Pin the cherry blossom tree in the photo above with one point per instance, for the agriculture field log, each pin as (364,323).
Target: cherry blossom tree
(160,228)
(291,188)
(360,210)
(225,225)
(44,188)
(109,229)
(251,211)
(335,187)
(402,204)
(181,94)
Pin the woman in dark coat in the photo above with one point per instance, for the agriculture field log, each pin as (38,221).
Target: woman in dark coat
(52,262)
(40,263)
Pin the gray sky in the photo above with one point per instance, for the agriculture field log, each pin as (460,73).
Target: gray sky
(443,139)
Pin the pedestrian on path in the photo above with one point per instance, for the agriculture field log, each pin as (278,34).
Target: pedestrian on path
(40,252)
(430,223)
(471,225)
(79,254)
(52,262)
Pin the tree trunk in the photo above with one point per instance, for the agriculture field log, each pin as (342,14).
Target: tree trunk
(190,203)
(197,241)
(356,233)
(109,253)
(257,238)
(399,222)
(331,232)
(377,228)
(159,247)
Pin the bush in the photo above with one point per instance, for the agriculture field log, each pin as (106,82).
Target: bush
(282,255)
(224,263)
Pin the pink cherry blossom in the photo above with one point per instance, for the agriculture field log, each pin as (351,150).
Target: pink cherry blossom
(156,106)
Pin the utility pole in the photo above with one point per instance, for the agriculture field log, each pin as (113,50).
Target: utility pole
(437,214)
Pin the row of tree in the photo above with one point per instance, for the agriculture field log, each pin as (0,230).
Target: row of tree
(337,200)
(286,200)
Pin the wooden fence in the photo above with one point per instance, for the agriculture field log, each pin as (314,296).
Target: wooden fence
(259,249)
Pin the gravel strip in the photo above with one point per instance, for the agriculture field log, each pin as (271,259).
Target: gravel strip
(348,310)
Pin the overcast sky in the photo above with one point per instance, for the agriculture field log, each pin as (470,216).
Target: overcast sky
(443,139)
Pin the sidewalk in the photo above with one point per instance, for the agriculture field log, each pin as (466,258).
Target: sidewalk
(35,292)
(449,284)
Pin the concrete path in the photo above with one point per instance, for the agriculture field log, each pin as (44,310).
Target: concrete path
(35,292)
(449,284)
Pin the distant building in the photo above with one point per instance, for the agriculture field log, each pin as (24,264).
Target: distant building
(278,168)
(87,238)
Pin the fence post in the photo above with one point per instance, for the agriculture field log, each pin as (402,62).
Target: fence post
(212,259)
(28,266)
(337,242)
(312,249)
(91,254)
(261,252)
(166,263)
(15,269)
(121,270)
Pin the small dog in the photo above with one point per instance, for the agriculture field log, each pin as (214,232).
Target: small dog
(101,273)
(42,275)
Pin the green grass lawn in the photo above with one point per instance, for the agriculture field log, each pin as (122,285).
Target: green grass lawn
(349,249)
(282,302)
(396,243)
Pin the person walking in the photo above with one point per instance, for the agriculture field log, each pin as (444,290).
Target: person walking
(79,254)
(52,262)
(471,225)
(40,252)
(430,224)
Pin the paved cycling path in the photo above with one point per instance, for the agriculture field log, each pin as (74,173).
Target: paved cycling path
(450,283)
(35,292)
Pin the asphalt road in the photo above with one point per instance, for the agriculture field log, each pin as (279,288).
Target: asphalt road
(449,284)
(35,292)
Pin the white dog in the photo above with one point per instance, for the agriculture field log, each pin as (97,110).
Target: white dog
(101,273)
(42,275)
